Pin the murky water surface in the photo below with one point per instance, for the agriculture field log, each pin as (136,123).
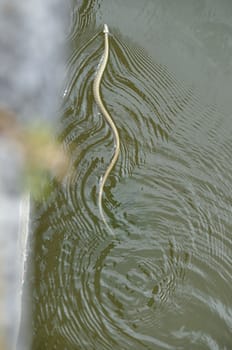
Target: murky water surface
(164,280)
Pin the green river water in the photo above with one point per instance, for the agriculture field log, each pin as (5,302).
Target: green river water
(164,280)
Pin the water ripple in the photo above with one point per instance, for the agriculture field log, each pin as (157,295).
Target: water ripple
(168,200)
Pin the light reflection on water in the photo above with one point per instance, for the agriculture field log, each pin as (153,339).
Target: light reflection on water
(164,281)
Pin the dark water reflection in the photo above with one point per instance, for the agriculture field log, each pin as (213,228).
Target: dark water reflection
(164,280)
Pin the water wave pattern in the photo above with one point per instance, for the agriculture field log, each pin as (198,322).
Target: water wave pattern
(168,200)
(82,19)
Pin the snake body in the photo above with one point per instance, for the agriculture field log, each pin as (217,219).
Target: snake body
(105,113)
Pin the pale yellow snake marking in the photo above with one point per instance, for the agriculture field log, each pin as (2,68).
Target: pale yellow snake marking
(100,104)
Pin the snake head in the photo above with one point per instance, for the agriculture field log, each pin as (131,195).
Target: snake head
(106,29)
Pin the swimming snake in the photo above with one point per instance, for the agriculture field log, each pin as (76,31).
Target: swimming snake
(100,104)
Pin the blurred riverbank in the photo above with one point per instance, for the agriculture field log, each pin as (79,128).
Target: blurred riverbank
(31,74)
